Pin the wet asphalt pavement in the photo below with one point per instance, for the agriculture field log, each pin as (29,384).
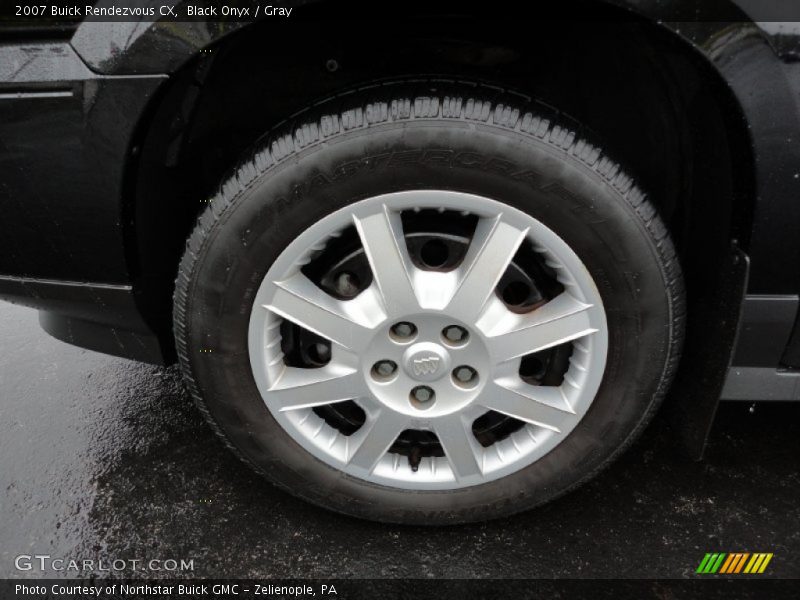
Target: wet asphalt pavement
(103,458)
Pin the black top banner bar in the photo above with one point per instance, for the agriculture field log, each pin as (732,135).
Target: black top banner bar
(19,13)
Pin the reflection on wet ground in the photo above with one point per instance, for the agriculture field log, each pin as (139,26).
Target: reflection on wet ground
(105,458)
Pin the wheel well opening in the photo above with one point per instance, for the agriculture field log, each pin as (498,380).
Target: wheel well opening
(651,101)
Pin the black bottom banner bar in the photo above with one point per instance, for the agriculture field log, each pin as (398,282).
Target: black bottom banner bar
(390,589)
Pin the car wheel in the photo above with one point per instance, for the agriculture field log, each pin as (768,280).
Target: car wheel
(428,304)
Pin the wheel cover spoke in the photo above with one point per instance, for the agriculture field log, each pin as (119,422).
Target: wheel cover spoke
(561,320)
(545,406)
(490,252)
(460,446)
(372,441)
(382,237)
(296,388)
(347,324)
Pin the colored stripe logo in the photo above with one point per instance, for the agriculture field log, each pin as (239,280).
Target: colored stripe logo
(734,563)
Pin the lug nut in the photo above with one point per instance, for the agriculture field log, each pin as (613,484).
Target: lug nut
(455,334)
(347,284)
(320,352)
(384,368)
(404,329)
(465,374)
(422,393)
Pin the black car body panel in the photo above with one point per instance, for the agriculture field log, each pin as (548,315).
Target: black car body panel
(75,115)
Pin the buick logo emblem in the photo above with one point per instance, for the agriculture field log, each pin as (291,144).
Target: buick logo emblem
(427,365)
(426,361)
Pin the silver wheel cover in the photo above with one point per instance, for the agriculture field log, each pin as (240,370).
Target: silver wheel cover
(359,332)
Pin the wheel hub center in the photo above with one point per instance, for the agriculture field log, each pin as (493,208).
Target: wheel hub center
(426,361)
(425,365)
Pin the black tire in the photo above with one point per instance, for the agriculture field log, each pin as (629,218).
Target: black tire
(442,135)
